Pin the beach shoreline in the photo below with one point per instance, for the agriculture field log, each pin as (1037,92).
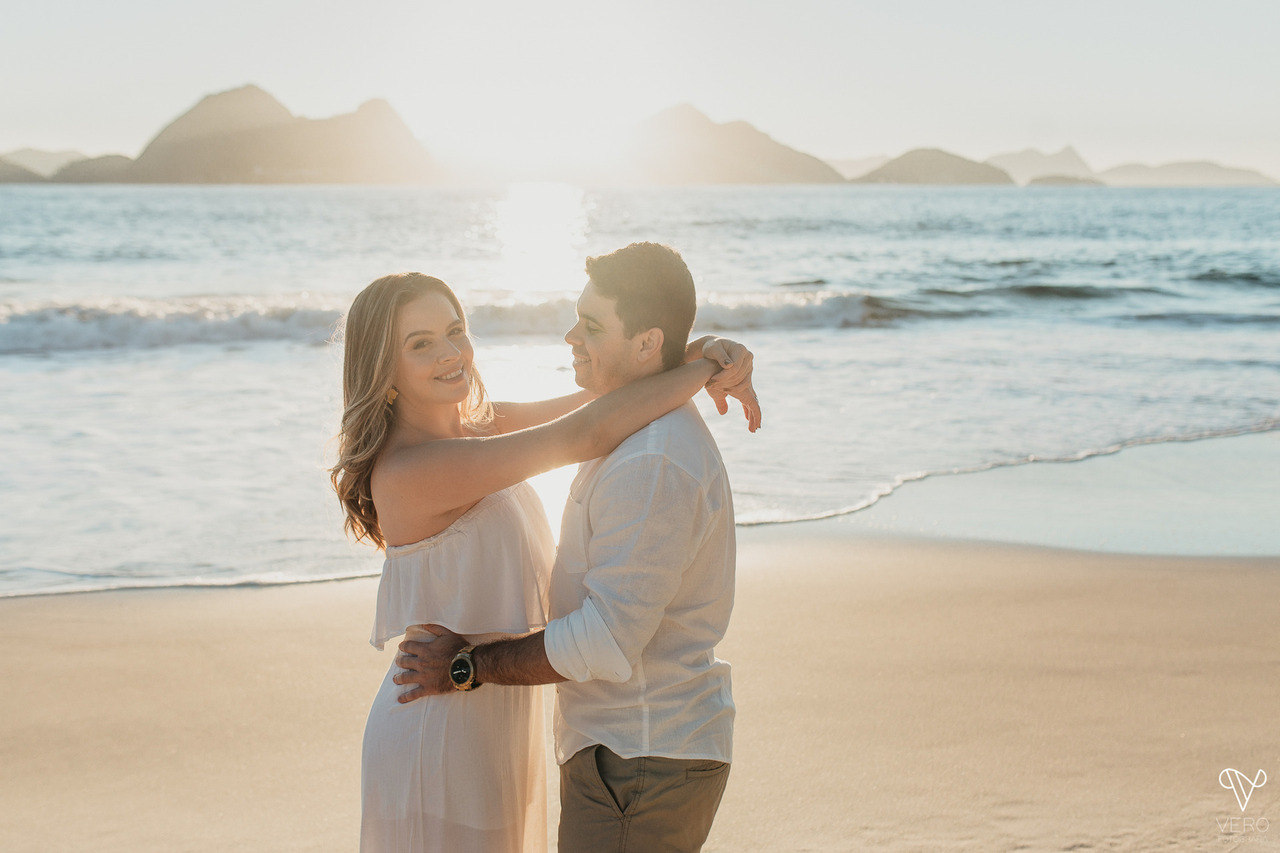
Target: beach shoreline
(892,693)
(898,688)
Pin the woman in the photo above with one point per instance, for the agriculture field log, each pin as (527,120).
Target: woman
(433,473)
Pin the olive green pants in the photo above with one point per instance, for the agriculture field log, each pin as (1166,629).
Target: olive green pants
(637,805)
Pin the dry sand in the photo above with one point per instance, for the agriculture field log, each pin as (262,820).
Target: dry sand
(893,695)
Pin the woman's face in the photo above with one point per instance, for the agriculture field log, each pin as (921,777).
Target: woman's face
(434,364)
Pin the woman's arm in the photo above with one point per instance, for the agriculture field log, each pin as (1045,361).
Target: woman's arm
(730,355)
(432,479)
(513,417)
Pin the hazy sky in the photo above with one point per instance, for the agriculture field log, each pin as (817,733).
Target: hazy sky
(1122,80)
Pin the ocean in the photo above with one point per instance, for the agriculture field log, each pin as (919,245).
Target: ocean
(171,388)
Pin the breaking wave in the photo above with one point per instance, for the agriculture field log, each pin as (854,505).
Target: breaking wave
(145,324)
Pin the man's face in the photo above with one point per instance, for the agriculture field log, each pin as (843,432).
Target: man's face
(604,358)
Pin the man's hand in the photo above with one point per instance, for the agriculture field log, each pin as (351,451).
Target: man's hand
(426,665)
(734,379)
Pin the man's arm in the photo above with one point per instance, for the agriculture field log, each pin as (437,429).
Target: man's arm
(647,518)
(521,660)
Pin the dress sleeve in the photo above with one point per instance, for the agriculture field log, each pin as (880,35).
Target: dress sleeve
(647,517)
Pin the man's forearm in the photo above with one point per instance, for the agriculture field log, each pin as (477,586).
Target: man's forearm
(519,661)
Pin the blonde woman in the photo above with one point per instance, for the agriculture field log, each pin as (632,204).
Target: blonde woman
(433,473)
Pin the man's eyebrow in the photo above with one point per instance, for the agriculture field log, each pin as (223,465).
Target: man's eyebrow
(589,318)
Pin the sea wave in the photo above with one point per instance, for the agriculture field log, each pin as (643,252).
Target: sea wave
(48,327)
(111,583)
(151,323)
(144,324)
(887,489)
(1051,291)
(1248,279)
(1208,318)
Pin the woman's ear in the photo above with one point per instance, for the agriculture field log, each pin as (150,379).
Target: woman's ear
(650,345)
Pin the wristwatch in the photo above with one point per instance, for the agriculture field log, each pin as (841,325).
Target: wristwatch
(462,670)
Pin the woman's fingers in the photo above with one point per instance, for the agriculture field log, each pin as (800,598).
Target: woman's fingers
(744,393)
(716,350)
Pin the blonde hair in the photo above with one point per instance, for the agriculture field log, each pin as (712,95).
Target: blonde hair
(368,367)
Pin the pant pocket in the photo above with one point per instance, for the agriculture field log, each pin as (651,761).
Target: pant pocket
(705,770)
(622,779)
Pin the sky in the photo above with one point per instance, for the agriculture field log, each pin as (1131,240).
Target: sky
(532,83)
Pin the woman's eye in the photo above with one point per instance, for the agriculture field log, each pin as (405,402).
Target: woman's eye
(456,332)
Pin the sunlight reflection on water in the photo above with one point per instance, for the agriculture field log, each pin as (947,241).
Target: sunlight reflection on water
(542,228)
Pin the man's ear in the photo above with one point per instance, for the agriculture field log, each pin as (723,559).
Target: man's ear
(650,345)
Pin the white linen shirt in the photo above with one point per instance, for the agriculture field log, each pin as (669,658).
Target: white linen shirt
(641,593)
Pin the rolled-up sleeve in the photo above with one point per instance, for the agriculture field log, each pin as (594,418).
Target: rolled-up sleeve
(646,519)
(580,647)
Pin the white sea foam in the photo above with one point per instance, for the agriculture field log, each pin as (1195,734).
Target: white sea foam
(47,327)
(150,323)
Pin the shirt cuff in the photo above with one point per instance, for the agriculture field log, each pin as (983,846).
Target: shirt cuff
(581,647)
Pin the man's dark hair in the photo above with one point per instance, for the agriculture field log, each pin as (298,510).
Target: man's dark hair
(653,289)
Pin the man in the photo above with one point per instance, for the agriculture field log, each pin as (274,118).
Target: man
(641,591)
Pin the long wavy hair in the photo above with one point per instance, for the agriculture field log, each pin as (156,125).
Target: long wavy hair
(370,351)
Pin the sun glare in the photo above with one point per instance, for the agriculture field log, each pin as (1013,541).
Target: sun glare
(542,229)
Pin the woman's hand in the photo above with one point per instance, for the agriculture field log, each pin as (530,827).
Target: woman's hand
(734,379)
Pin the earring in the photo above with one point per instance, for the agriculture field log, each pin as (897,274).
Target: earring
(391,395)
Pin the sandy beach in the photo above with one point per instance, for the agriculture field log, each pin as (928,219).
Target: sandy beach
(894,693)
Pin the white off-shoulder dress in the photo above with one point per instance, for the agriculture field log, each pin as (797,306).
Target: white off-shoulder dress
(464,772)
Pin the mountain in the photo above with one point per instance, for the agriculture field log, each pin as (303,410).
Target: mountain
(932,166)
(1192,174)
(858,168)
(247,136)
(682,146)
(1025,166)
(12,173)
(43,163)
(1064,181)
(246,108)
(111,169)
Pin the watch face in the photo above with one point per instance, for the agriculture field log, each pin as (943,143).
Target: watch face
(460,671)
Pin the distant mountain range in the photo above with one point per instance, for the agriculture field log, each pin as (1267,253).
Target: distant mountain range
(1035,167)
(247,136)
(42,163)
(933,166)
(12,173)
(1195,174)
(682,146)
(861,166)
(1026,166)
